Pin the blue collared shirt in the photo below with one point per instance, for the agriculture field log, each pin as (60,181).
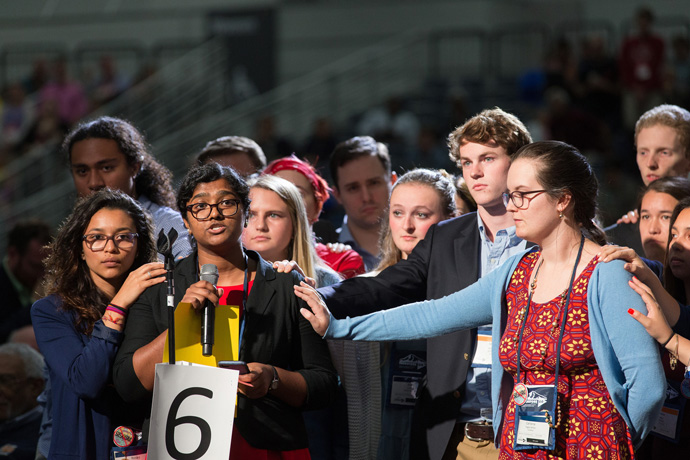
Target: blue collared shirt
(476,403)
(370,261)
(165,218)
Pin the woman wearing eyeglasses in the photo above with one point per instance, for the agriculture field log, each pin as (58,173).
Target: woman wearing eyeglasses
(289,364)
(100,263)
(573,375)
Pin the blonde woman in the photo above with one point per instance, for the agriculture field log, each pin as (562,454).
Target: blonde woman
(278,229)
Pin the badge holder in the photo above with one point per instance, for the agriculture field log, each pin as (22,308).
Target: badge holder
(669,422)
(537,412)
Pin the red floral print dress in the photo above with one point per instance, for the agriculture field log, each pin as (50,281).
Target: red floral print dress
(590,427)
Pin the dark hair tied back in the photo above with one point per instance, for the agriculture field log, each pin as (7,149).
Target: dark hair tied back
(564,169)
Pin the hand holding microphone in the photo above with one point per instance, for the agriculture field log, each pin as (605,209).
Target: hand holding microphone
(209,272)
(203,298)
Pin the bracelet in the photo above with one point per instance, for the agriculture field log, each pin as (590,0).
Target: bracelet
(116,309)
(673,359)
(668,340)
(124,311)
(118,320)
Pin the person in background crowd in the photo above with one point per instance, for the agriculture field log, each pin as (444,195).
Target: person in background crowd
(20,276)
(271,141)
(18,115)
(642,59)
(678,73)
(315,191)
(392,124)
(100,262)
(21,381)
(561,327)
(110,152)
(108,84)
(362,178)
(662,140)
(67,94)
(290,367)
(320,143)
(657,202)
(671,434)
(240,153)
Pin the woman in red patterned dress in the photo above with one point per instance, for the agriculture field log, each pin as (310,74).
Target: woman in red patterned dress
(589,376)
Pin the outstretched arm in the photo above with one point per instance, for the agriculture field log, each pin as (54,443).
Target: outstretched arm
(464,309)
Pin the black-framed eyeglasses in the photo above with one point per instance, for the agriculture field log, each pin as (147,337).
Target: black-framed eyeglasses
(518,198)
(202,211)
(98,241)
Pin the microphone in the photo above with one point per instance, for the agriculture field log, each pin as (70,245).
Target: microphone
(209,272)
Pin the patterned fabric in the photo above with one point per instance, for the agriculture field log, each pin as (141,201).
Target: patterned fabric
(591,428)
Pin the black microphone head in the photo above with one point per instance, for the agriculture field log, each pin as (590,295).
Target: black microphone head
(163,244)
(209,272)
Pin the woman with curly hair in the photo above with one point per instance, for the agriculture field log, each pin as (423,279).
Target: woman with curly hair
(100,262)
(110,152)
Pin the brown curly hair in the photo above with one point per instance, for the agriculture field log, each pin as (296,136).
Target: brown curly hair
(67,274)
(491,126)
(153,179)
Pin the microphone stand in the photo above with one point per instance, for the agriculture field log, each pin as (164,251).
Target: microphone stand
(165,244)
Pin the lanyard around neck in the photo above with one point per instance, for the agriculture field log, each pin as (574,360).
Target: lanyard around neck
(565,317)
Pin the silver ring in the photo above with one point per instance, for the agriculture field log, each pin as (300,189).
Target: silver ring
(150,274)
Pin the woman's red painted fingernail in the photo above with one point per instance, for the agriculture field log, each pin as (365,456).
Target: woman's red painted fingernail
(631,311)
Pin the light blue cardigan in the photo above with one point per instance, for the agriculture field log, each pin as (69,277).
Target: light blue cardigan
(627,356)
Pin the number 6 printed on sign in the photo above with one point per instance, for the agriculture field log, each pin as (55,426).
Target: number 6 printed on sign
(189,417)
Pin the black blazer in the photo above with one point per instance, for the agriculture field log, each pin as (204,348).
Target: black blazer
(446,261)
(275,333)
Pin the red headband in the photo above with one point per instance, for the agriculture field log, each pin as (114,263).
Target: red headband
(321,188)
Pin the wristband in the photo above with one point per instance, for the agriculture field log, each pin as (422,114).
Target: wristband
(668,340)
(116,309)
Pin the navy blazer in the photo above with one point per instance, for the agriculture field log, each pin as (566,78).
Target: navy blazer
(275,333)
(79,370)
(446,261)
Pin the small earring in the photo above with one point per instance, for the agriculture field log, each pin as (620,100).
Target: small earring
(245,223)
(560,215)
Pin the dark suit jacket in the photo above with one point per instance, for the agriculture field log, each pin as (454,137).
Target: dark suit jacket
(446,261)
(275,333)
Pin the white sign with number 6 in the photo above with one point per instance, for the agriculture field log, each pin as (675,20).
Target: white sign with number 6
(192,412)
